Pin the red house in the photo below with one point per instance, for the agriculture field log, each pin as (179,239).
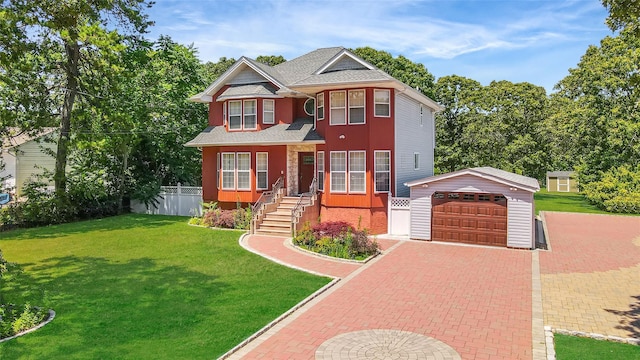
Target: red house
(325,135)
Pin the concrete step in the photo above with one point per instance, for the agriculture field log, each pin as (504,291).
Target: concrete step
(276,224)
(273,230)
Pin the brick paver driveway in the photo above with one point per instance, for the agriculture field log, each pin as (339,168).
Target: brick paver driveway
(476,300)
(591,276)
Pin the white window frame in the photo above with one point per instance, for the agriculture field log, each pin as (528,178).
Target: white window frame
(218,171)
(245,114)
(224,113)
(232,171)
(238,115)
(353,172)
(320,170)
(363,106)
(320,106)
(375,168)
(332,172)
(416,161)
(272,112)
(343,108)
(244,171)
(264,171)
(387,103)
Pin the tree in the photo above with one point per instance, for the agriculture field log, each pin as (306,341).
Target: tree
(214,70)
(271,60)
(71,47)
(623,14)
(413,74)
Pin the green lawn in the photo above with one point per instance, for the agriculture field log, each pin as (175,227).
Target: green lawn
(567,202)
(577,348)
(143,287)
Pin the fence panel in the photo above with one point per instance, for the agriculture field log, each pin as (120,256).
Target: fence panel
(173,200)
(399,216)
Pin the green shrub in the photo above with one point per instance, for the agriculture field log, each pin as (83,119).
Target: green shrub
(337,239)
(15,319)
(618,190)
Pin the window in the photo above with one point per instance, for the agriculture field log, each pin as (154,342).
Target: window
(416,161)
(356,107)
(453,196)
(468,197)
(224,113)
(310,106)
(383,171)
(357,171)
(235,115)
(268,108)
(262,170)
(484,197)
(250,118)
(382,103)
(320,177)
(338,168)
(228,171)
(438,195)
(320,112)
(338,108)
(243,168)
(218,179)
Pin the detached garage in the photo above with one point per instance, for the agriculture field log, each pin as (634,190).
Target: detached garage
(482,205)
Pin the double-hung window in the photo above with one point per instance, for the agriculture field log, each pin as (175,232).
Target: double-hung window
(224,113)
(228,171)
(357,172)
(268,108)
(249,115)
(338,167)
(338,104)
(356,107)
(383,170)
(235,115)
(416,161)
(320,111)
(382,103)
(262,170)
(320,169)
(243,168)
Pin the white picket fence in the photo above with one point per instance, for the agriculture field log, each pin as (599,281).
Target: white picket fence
(173,200)
(399,216)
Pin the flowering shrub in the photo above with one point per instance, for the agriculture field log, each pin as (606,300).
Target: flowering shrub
(228,219)
(337,239)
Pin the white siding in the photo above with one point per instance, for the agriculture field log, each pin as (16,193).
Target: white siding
(520,209)
(247,76)
(9,171)
(346,63)
(412,135)
(32,160)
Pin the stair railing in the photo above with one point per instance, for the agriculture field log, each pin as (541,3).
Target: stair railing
(267,197)
(298,210)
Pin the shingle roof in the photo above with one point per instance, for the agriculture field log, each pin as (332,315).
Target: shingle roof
(251,90)
(560,173)
(303,66)
(344,76)
(520,181)
(300,131)
(18,137)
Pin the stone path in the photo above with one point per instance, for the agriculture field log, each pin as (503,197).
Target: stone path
(591,276)
(476,300)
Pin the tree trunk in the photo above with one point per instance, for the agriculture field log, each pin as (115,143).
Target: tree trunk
(71,71)
(123,174)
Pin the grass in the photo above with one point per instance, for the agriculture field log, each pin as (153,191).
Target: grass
(578,348)
(567,202)
(143,287)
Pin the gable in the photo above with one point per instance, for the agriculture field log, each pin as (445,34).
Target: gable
(345,63)
(246,76)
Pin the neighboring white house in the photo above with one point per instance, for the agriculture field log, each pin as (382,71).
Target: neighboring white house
(26,155)
(482,205)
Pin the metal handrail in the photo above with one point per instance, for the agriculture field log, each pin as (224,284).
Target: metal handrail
(299,208)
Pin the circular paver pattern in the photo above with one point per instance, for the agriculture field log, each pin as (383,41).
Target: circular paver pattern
(384,344)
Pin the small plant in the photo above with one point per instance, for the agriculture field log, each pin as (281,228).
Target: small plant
(337,239)
(195,221)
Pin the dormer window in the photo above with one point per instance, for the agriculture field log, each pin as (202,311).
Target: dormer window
(242,115)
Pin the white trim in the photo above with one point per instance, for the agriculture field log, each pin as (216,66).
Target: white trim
(265,171)
(375,170)
(567,184)
(304,106)
(235,115)
(245,114)
(474,173)
(218,170)
(272,111)
(320,171)
(238,171)
(224,113)
(331,172)
(318,97)
(331,107)
(363,107)
(232,171)
(340,55)
(388,103)
(363,172)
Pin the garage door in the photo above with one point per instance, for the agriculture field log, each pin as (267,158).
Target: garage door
(470,218)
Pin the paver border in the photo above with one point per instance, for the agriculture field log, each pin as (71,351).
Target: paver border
(540,347)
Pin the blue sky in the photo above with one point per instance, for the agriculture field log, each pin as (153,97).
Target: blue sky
(517,40)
